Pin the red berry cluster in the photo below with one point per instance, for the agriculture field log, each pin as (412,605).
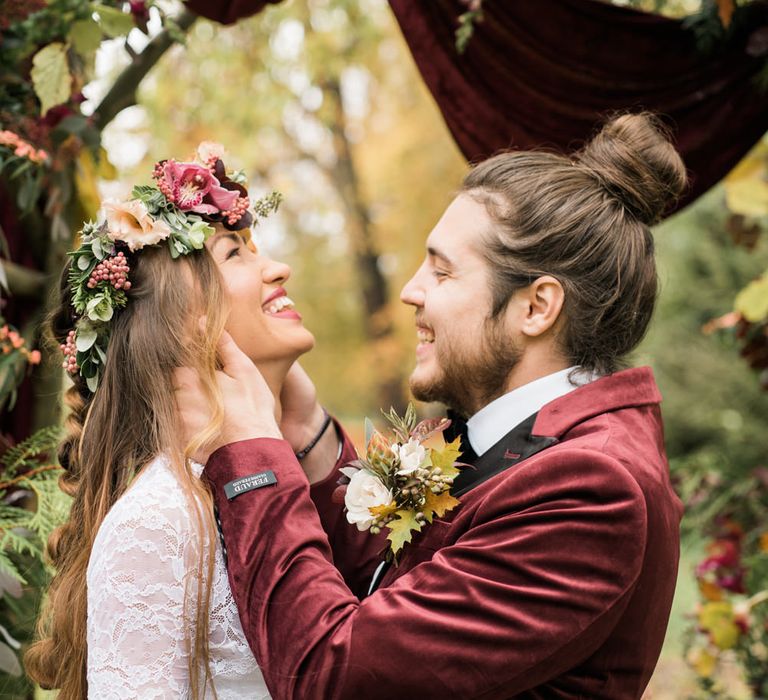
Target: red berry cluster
(114,270)
(239,208)
(162,184)
(70,351)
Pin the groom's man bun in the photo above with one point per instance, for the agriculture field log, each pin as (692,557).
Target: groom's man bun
(634,160)
(584,221)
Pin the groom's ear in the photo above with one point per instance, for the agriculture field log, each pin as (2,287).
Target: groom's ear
(544,299)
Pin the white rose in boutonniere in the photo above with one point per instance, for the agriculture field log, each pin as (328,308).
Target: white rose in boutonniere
(365,491)
(411,455)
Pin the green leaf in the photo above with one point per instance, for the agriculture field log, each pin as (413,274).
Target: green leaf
(369,430)
(401,529)
(97,249)
(113,22)
(85,35)
(92,382)
(102,355)
(86,337)
(28,194)
(752,301)
(50,76)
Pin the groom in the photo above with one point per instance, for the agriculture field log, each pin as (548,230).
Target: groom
(554,577)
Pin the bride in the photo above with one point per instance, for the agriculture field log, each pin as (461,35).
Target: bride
(140,605)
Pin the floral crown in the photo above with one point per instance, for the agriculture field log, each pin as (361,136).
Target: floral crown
(180,210)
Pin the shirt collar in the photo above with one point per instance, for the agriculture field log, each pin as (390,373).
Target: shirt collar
(494,421)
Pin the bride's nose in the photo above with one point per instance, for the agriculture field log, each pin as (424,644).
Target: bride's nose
(275,271)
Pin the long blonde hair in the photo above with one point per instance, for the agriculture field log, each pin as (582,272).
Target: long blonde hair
(112,434)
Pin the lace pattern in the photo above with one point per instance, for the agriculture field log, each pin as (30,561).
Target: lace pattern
(144,555)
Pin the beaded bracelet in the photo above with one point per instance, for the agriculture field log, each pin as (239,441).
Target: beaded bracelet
(326,422)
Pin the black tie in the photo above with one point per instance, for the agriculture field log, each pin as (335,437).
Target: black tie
(458,428)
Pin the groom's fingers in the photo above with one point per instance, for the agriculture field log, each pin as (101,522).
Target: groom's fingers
(234,361)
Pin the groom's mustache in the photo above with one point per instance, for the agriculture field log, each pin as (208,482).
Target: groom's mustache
(420,322)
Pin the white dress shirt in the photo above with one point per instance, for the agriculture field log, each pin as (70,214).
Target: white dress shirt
(494,421)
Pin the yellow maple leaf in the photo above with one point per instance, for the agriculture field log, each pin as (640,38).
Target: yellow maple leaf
(446,457)
(401,529)
(384,510)
(438,504)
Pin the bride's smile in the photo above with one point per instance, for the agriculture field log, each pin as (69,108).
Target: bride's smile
(263,319)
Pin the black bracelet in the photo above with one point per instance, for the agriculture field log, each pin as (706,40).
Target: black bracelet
(326,422)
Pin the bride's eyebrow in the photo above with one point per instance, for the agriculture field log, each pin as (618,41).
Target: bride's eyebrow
(227,236)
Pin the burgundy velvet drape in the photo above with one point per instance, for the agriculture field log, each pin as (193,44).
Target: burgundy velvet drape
(545,73)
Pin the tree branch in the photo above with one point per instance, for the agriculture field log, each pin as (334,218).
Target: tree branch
(123,93)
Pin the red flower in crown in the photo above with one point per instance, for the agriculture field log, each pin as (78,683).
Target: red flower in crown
(196,188)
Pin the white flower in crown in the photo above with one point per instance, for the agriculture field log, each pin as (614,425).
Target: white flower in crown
(411,456)
(131,223)
(365,491)
(209,152)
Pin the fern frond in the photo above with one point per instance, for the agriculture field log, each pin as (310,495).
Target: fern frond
(39,443)
(16,541)
(9,568)
(52,505)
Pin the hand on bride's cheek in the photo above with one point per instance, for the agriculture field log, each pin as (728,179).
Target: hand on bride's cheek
(262,320)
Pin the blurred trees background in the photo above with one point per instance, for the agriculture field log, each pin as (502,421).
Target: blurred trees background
(321,101)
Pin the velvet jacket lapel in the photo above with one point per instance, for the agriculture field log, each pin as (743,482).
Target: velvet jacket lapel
(517,445)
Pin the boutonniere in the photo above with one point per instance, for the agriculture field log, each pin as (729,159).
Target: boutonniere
(404,482)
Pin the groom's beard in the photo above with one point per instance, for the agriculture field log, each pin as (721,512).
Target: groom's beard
(470,374)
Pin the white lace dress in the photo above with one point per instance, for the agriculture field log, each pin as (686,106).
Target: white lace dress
(145,550)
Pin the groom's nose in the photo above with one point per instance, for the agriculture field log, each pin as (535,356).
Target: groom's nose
(413,291)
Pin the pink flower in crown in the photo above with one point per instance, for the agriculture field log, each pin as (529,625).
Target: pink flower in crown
(192,187)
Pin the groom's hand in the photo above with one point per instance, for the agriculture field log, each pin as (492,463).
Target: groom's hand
(249,405)
(302,419)
(301,415)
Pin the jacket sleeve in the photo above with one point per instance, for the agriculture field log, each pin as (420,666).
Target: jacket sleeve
(356,554)
(529,590)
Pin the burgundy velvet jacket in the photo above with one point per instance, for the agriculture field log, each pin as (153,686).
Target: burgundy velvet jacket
(553,578)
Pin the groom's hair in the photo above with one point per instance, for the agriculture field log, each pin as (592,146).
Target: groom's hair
(585,221)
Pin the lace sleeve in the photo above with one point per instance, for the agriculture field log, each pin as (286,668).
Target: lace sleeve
(145,553)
